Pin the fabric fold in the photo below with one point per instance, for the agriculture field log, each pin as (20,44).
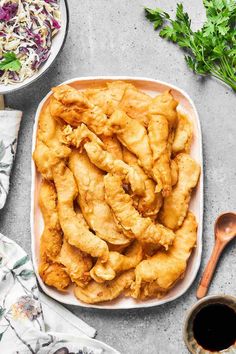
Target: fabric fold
(30,322)
(9,128)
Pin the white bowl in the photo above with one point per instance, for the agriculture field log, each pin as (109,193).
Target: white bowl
(57,44)
(186,105)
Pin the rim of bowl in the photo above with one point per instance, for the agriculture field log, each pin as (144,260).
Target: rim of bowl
(207,299)
(2,92)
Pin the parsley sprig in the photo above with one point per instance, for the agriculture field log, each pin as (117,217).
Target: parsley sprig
(10,62)
(212,49)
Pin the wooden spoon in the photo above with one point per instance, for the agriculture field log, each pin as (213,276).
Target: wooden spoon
(225,231)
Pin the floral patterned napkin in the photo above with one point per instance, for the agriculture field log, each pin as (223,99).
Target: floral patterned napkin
(9,127)
(32,323)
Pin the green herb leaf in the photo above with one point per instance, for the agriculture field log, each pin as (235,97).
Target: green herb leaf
(168,33)
(20,262)
(210,50)
(156,16)
(26,274)
(10,62)
(2,311)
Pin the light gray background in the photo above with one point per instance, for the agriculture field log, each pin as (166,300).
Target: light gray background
(112,37)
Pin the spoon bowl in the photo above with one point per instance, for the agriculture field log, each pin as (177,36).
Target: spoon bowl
(225,227)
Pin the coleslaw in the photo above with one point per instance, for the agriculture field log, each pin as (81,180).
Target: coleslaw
(27,28)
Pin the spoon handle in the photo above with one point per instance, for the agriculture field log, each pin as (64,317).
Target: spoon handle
(210,268)
(2,105)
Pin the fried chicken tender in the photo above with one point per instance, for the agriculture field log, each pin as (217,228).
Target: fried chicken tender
(76,137)
(74,231)
(133,136)
(52,244)
(49,146)
(50,133)
(162,122)
(165,105)
(174,172)
(117,263)
(135,104)
(51,240)
(94,292)
(96,211)
(112,145)
(134,225)
(151,202)
(158,133)
(175,206)
(183,135)
(44,159)
(106,162)
(55,275)
(161,271)
(102,158)
(107,98)
(74,108)
(77,263)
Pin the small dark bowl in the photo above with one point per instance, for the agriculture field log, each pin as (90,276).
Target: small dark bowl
(189,339)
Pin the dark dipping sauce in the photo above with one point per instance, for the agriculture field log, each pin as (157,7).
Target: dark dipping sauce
(214,327)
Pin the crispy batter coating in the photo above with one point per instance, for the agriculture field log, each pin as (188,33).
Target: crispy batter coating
(135,104)
(112,145)
(77,263)
(183,135)
(49,146)
(75,137)
(150,203)
(44,159)
(175,206)
(74,108)
(106,162)
(117,184)
(161,271)
(96,211)
(174,172)
(134,225)
(55,275)
(162,121)
(107,98)
(103,159)
(165,105)
(133,136)
(51,239)
(50,133)
(117,263)
(158,133)
(98,292)
(52,244)
(74,231)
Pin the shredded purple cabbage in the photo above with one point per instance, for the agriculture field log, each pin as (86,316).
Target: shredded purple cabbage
(55,24)
(8,11)
(23,50)
(13,76)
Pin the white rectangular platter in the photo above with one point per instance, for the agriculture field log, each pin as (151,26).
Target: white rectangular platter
(186,105)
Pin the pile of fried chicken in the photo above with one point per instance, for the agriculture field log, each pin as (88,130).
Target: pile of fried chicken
(116,184)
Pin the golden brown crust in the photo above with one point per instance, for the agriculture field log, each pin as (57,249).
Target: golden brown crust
(117,183)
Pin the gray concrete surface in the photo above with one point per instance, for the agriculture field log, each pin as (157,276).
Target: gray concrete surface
(112,37)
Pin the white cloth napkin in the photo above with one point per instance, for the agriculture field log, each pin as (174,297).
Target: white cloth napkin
(31,322)
(9,127)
